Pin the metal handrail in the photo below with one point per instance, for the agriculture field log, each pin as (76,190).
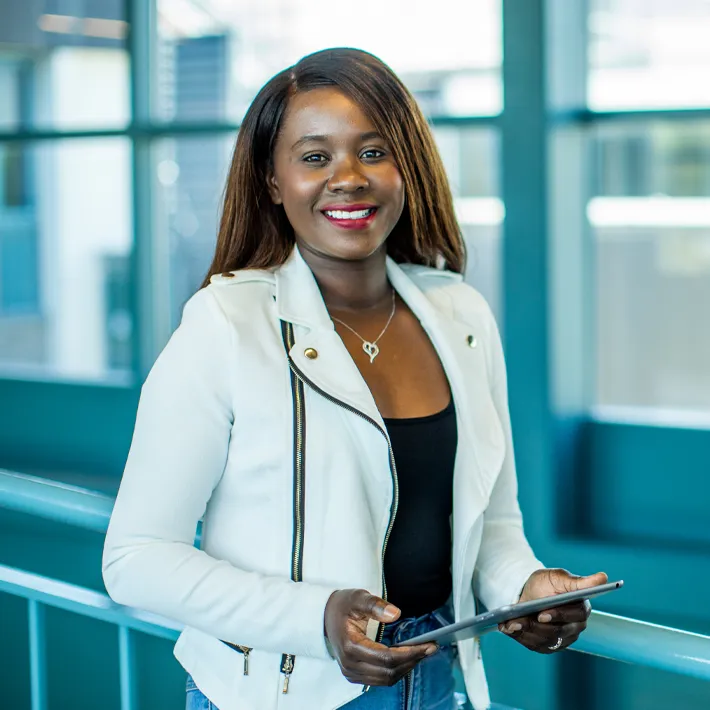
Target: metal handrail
(608,636)
(54,500)
(87,602)
(619,638)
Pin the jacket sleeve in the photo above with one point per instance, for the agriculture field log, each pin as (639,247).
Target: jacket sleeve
(505,560)
(177,457)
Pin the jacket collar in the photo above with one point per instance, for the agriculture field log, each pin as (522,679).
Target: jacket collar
(299,300)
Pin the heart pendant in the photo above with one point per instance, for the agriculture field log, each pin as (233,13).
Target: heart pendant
(371,349)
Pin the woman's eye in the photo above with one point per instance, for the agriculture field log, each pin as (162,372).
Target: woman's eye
(314,158)
(373,153)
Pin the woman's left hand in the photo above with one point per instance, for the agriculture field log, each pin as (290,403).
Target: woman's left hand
(555,629)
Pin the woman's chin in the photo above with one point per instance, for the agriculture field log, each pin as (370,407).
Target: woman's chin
(349,247)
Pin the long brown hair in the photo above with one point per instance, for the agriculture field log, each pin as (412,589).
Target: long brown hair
(255,233)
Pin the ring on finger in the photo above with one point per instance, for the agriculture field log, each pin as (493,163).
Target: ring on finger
(558,645)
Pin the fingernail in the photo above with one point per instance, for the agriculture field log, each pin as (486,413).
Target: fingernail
(544,618)
(431,650)
(514,627)
(389,613)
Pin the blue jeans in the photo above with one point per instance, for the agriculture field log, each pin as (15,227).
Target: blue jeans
(430,685)
(196,699)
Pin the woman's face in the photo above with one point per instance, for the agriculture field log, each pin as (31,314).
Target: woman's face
(335,177)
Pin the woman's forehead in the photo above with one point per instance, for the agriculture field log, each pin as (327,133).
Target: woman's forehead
(324,112)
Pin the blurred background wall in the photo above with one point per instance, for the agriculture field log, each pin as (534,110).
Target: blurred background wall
(576,135)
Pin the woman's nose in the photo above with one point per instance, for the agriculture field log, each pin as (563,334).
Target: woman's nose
(347,176)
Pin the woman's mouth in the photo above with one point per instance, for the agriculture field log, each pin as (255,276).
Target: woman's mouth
(351,218)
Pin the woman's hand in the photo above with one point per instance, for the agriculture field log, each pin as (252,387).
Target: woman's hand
(555,629)
(362,660)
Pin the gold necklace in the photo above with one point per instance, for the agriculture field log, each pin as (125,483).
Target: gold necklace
(370,346)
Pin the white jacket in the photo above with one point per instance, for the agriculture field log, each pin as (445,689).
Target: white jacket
(214,438)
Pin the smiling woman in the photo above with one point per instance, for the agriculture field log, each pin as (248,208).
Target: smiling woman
(334,406)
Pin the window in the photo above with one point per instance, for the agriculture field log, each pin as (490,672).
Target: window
(65,209)
(648,209)
(65,242)
(648,54)
(215,55)
(64,64)
(650,218)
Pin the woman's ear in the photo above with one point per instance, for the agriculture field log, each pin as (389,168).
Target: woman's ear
(273,188)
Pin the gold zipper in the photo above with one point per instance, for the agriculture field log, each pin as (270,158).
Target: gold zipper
(393,466)
(393,513)
(288,660)
(244,650)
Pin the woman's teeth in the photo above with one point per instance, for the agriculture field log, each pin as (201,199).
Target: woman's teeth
(341,214)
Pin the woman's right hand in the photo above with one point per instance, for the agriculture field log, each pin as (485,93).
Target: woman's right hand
(362,660)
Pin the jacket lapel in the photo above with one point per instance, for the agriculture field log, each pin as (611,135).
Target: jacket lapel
(332,370)
(481,441)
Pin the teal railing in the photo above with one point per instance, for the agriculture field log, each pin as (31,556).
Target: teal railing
(608,636)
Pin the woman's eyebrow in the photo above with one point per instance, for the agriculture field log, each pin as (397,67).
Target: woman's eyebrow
(320,138)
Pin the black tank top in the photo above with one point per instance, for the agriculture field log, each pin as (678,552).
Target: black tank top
(418,556)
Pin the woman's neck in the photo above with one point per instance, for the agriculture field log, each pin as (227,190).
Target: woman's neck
(351,285)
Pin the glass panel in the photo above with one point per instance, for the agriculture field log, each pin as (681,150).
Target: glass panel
(646,54)
(215,55)
(65,244)
(63,64)
(191,172)
(651,222)
(471,157)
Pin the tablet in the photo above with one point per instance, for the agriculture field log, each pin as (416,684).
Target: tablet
(478,625)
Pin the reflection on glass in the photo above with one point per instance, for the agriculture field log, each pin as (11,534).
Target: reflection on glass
(65,242)
(63,65)
(645,55)
(191,172)
(215,55)
(651,223)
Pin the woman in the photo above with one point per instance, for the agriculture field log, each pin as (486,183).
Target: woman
(334,405)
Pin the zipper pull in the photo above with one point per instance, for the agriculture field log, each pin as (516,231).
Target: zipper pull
(287,662)
(246,651)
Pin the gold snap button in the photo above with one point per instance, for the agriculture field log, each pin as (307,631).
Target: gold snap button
(472,342)
(311,353)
